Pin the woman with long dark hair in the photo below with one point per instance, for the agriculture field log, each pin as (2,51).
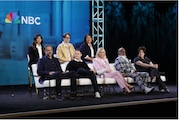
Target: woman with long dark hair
(88,49)
(36,50)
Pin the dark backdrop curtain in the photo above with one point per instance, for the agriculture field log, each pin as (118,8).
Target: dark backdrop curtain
(151,24)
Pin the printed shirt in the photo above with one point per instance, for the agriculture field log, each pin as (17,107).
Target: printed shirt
(123,65)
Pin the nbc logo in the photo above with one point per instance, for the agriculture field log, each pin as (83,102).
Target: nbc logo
(13,17)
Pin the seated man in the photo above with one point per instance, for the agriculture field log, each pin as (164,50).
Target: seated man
(50,68)
(126,69)
(82,69)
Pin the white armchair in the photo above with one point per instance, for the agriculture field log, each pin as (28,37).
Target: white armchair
(45,84)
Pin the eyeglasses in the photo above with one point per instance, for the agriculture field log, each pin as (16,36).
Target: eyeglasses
(67,37)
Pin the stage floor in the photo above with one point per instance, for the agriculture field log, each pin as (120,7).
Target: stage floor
(25,102)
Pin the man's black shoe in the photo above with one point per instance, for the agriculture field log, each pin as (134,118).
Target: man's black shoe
(52,97)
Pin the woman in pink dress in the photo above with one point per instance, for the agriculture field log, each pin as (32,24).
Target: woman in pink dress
(101,65)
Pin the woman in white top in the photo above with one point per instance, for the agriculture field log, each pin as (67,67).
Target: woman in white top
(88,49)
(36,50)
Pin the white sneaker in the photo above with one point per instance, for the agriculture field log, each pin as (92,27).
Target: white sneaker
(97,95)
(147,90)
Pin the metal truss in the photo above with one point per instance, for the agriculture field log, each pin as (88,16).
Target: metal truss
(98,22)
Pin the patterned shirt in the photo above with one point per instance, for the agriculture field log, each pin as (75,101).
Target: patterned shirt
(123,65)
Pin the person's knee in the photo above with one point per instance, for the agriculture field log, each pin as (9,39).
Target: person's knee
(72,74)
(81,70)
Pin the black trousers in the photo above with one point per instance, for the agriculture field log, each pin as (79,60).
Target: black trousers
(89,74)
(160,83)
(59,75)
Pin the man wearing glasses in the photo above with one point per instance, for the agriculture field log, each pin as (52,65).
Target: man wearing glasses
(65,50)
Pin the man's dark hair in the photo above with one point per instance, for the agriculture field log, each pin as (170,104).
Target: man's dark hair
(142,48)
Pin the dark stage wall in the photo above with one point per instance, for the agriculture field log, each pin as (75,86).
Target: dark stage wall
(150,24)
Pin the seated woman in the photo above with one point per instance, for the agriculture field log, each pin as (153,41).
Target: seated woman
(101,65)
(88,49)
(36,50)
(144,64)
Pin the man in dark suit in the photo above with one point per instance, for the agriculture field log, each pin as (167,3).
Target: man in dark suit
(50,68)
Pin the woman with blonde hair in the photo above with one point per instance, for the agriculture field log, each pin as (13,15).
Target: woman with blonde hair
(102,66)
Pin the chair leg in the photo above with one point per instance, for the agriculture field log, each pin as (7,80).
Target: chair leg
(30,81)
(114,89)
(109,90)
(37,92)
(102,91)
(29,78)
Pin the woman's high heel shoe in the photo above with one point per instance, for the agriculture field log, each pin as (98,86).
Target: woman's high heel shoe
(132,88)
(125,91)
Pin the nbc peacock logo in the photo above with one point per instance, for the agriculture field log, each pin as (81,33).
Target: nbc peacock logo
(12,17)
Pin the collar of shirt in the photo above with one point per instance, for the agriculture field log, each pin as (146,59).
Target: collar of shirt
(50,58)
(38,46)
(90,45)
(66,44)
(124,57)
(78,60)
